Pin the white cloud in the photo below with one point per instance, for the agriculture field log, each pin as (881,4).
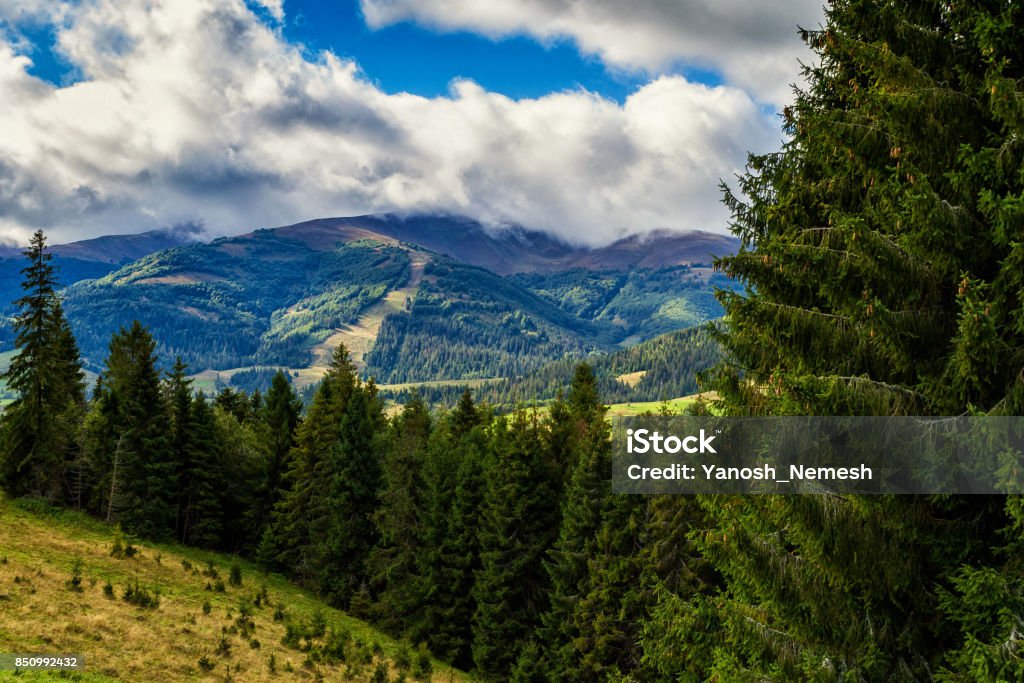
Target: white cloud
(753,44)
(274,7)
(198,112)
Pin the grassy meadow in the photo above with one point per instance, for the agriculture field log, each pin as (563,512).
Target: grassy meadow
(62,592)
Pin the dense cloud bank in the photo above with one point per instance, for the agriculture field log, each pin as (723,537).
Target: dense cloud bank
(201,112)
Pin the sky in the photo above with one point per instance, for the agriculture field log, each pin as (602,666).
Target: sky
(589,119)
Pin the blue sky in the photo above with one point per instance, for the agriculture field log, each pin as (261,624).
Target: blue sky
(592,120)
(411,58)
(408,57)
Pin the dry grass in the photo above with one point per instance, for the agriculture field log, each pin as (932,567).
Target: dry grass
(40,614)
(631,379)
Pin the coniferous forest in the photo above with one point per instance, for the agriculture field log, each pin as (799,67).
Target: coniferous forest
(881,273)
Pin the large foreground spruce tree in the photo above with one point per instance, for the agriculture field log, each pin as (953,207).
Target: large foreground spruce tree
(883,249)
(36,439)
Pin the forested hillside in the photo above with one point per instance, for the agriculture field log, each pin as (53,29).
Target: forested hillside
(77,261)
(466,322)
(236,302)
(662,368)
(285,297)
(644,302)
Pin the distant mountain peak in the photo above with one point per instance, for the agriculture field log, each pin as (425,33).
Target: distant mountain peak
(118,249)
(512,249)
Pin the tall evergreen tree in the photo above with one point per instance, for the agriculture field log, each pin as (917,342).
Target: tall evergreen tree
(322,529)
(454,559)
(179,402)
(280,412)
(884,258)
(395,563)
(352,471)
(518,523)
(38,428)
(203,484)
(579,425)
(139,465)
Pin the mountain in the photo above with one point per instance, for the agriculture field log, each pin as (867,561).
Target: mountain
(423,298)
(121,249)
(84,260)
(515,249)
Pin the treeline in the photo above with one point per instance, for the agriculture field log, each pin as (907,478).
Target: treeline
(671,365)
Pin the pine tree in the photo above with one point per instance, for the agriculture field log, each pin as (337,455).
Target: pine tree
(36,435)
(577,425)
(203,485)
(395,562)
(518,523)
(465,416)
(352,471)
(280,417)
(142,495)
(451,569)
(179,402)
(322,529)
(288,540)
(883,258)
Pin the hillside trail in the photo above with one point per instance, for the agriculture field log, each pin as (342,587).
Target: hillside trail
(359,337)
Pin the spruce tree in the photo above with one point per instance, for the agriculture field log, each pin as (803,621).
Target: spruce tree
(578,425)
(179,402)
(38,428)
(882,253)
(518,524)
(322,528)
(280,412)
(352,471)
(139,464)
(204,482)
(395,563)
(452,568)
(465,416)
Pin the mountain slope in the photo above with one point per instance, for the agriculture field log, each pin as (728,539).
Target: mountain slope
(662,368)
(384,286)
(467,322)
(45,613)
(258,298)
(82,260)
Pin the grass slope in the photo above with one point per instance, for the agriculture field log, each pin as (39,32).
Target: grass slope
(40,614)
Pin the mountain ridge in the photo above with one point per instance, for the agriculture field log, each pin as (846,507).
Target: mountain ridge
(418,298)
(514,249)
